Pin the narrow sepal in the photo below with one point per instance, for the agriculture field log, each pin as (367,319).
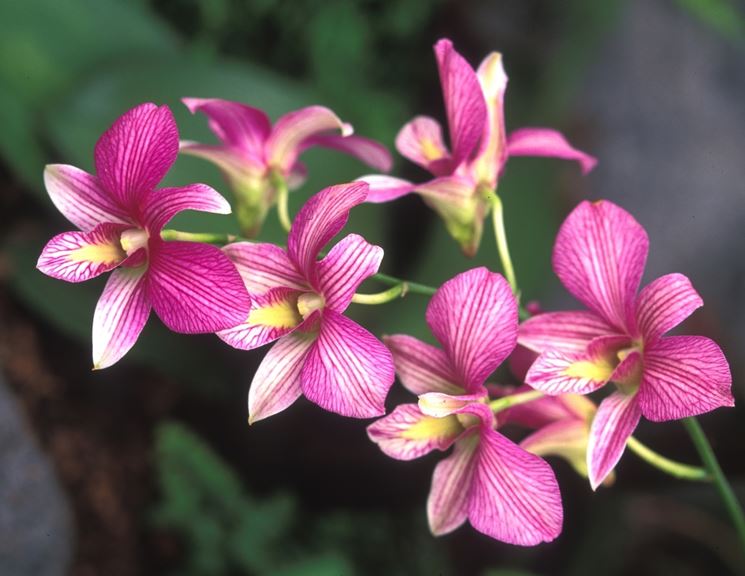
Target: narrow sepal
(371,152)
(421,367)
(548,143)
(386,188)
(264,267)
(663,304)
(159,206)
(562,331)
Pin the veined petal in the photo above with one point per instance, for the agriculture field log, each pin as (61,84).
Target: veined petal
(291,130)
(599,256)
(614,422)
(80,256)
(549,409)
(238,166)
(136,152)
(420,140)
(159,206)
(369,151)
(264,267)
(234,123)
(464,101)
(493,150)
(194,288)
(406,433)
(319,220)
(345,267)
(120,316)
(684,376)
(80,198)
(439,405)
(474,317)
(421,367)
(272,315)
(276,384)
(548,143)
(565,438)
(447,504)
(563,331)
(663,304)
(386,188)
(556,372)
(348,371)
(514,496)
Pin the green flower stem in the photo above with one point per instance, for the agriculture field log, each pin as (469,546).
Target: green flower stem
(723,486)
(283,194)
(396,291)
(412,287)
(501,237)
(671,467)
(205,238)
(513,400)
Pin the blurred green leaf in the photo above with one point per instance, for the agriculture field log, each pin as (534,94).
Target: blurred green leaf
(723,16)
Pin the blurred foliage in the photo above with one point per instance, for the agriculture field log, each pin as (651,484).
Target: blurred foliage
(726,17)
(224,530)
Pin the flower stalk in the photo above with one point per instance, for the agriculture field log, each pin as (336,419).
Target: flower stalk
(392,293)
(671,467)
(203,237)
(500,236)
(513,400)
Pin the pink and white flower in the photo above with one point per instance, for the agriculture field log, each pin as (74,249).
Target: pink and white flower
(480,147)
(192,287)
(300,301)
(599,256)
(503,491)
(253,154)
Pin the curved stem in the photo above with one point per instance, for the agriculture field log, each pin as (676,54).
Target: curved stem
(396,291)
(412,287)
(500,236)
(676,469)
(720,480)
(282,202)
(513,400)
(204,237)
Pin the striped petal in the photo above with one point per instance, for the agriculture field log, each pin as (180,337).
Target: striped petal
(514,496)
(684,376)
(194,288)
(663,304)
(80,198)
(386,188)
(420,140)
(264,267)
(406,433)
(441,405)
(549,409)
(474,317)
(599,256)
(345,267)
(272,315)
(548,143)
(614,422)
(276,384)
(120,316)
(421,367)
(319,220)
(562,331)
(80,256)
(239,167)
(159,206)
(136,152)
(291,130)
(371,152)
(565,438)
(235,124)
(493,150)
(464,101)
(349,371)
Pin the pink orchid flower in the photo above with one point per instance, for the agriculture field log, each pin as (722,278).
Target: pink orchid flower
(504,491)
(253,154)
(322,354)
(599,256)
(192,287)
(464,175)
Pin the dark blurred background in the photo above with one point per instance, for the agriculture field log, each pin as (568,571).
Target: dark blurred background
(149,467)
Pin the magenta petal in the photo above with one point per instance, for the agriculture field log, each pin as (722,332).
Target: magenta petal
(614,422)
(464,101)
(556,372)
(663,304)
(448,501)
(421,367)
(345,267)
(549,143)
(386,188)
(80,256)
(420,140)
(159,206)
(136,152)
(194,288)
(474,317)
(235,124)
(276,384)
(684,376)
(371,152)
(80,198)
(514,496)
(563,331)
(120,316)
(599,256)
(440,405)
(291,130)
(493,151)
(238,166)
(348,371)
(319,220)
(406,433)
(264,266)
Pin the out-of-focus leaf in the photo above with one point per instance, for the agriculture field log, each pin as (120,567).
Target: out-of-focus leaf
(723,16)
(326,565)
(18,146)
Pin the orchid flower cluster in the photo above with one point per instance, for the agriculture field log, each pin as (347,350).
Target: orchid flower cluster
(251,294)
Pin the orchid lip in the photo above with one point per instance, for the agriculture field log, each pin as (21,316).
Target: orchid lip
(133,240)
(309,302)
